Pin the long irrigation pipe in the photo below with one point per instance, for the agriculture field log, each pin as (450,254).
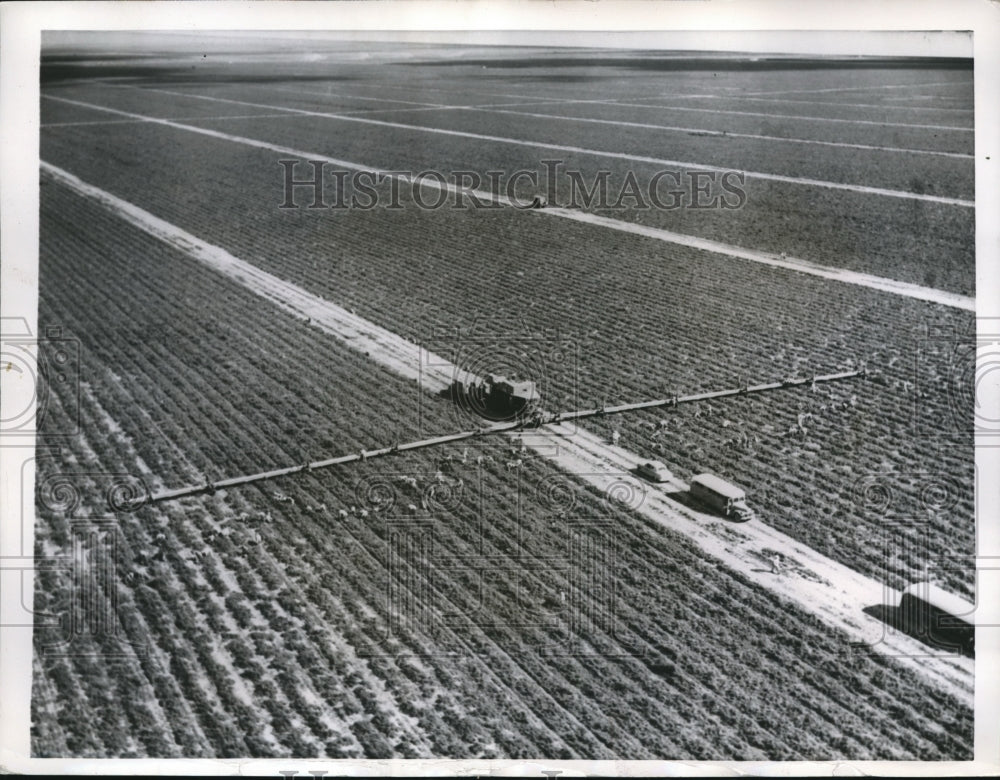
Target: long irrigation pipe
(530,421)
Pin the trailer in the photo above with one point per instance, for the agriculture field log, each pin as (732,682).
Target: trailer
(721,496)
(938,617)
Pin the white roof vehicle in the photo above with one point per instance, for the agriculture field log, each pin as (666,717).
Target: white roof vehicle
(654,471)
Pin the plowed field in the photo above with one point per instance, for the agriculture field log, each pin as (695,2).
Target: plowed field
(479,601)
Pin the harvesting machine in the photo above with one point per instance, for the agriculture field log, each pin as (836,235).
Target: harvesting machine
(496,397)
(505,405)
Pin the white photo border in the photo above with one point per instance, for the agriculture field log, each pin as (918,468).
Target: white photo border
(719,21)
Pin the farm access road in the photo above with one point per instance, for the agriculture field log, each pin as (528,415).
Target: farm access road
(766,557)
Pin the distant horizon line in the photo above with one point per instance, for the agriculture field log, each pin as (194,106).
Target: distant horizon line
(814,44)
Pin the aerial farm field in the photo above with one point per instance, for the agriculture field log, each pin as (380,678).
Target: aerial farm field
(508,596)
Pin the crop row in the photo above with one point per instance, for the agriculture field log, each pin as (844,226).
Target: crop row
(261,611)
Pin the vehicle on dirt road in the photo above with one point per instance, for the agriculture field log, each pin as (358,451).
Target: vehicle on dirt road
(937,617)
(654,471)
(497,397)
(721,496)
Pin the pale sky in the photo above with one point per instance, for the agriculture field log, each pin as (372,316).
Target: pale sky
(926,44)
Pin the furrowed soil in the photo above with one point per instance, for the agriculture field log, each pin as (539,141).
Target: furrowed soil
(849,469)
(520,614)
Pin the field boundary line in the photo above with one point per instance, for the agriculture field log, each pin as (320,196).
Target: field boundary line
(836,593)
(352,97)
(796,117)
(717,133)
(844,275)
(794,180)
(391,100)
(548,100)
(860,89)
(922,97)
(803,266)
(422,106)
(543,100)
(820,103)
(172,118)
(111,81)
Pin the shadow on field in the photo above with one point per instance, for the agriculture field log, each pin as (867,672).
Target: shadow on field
(956,640)
(83,68)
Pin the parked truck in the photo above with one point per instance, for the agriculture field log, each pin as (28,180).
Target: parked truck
(721,496)
(938,617)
